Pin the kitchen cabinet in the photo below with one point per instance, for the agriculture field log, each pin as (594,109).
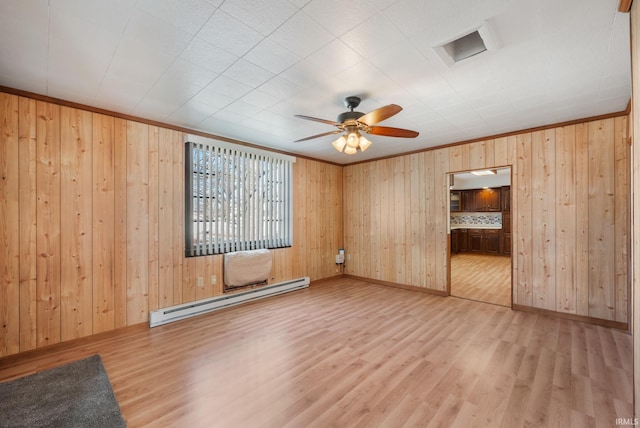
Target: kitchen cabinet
(455,201)
(506,244)
(476,200)
(491,241)
(462,200)
(467,200)
(506,233)
(487,200)
(485,241)
(475,240)
(506,198)
(463,240)
(455,241)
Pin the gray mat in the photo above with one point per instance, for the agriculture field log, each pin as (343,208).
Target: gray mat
(77,394)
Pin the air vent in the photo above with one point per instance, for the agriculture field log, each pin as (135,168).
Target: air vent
(467,45)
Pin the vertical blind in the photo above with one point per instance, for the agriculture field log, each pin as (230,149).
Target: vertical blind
(235,200)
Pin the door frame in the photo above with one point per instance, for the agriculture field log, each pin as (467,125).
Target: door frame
(448,176)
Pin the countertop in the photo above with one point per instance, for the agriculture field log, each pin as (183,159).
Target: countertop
(474,226)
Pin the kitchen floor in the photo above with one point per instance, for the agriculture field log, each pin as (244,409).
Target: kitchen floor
(481,277)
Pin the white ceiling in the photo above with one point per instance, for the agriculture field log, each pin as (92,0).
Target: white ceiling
(243,68)
(466,180)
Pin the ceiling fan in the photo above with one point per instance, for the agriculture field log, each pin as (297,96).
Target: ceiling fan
(353,123)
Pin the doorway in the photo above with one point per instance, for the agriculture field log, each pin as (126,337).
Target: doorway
(480,235)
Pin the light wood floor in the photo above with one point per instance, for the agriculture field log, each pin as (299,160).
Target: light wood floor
(352,354)
(481,277)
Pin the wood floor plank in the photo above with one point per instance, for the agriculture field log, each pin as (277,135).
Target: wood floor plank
(481,277)
(357,354)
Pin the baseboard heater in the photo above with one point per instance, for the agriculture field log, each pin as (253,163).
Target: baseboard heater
(187,310)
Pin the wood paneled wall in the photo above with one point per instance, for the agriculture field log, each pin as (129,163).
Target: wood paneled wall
(91,220)
(570,214)
(91,224)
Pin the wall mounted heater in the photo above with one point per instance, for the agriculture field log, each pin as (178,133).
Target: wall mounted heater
(186,310)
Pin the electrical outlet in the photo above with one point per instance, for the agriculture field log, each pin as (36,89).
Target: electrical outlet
(214,280)
(200,281)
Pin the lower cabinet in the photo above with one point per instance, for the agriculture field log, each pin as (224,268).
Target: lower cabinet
(506,244)
(506,234)
(476,241)
(486,241)
(455,241)
(463,240)
(492,241)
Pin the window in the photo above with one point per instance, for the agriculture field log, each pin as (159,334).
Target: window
(236,198)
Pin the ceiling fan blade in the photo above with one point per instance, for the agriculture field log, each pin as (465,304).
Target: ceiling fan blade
(315,119)
(380,114)
(392,132)
(319,135)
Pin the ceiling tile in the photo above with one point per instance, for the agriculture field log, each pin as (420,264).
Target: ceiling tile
(230,34)
(263,16)
(250,74)
(120,95)
(302,35)
(111,16)
(203,54)
(350,15)
(212,99)
(227,116)
(79,53)
(135,62)
(281,88)
(24,30)
(260,99)
(276,120)
(333,58)
(376,36)
(243,109)
(190,73)
(189,15)
(307,76)
(167,95)
(64,91)
(271,56)
(34,80)
(157,34)
(192,112)
(404,64)
(413,16)
(226,86)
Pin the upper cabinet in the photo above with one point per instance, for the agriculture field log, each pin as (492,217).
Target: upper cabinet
(468,200)
(455,201)
(488,200)
(506,198)
(480,200)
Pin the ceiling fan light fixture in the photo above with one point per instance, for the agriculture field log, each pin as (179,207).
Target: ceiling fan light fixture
(353,123)
(353,139)
(364,143)
(350,150)
(340,143)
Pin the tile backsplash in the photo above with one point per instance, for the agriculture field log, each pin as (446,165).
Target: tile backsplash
(471,220)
